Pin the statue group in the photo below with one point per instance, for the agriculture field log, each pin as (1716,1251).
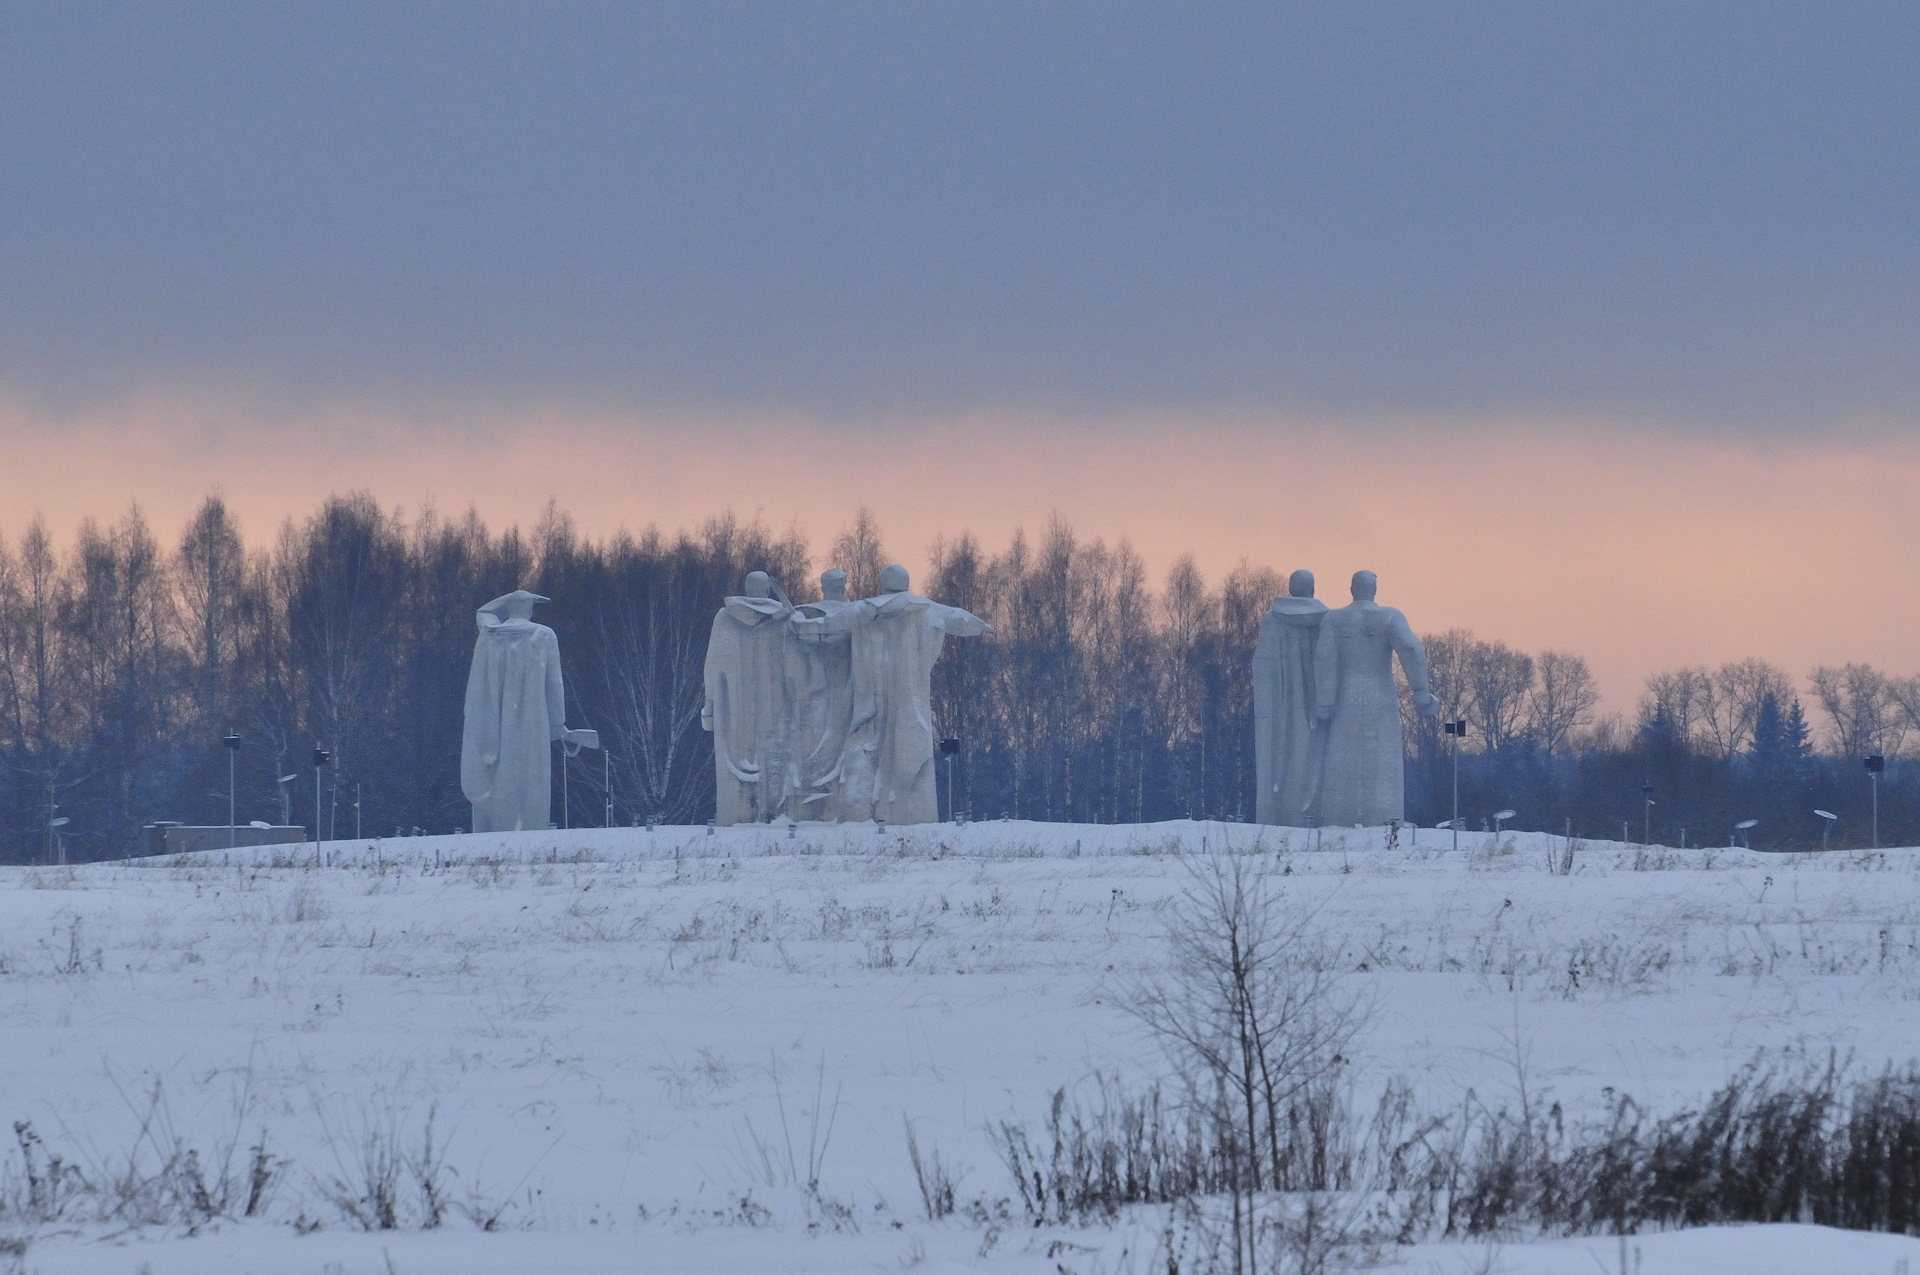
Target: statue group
(1327,746)
(823,711)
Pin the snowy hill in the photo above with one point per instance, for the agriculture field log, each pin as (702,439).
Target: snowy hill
(627,1050)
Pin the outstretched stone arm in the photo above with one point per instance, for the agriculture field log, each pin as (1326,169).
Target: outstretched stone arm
(957,623)
(1413,662)
(817,628)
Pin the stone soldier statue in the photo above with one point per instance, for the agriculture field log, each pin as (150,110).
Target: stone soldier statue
(887,763)
(745,705)
(1285,744)
(1361,780)
(516,708)
(820,697)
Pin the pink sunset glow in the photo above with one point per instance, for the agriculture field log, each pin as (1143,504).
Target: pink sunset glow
(1638,548)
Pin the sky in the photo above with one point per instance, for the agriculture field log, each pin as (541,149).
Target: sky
(1589,327)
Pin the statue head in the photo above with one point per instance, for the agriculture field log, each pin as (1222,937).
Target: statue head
(517,605)
(893,579)
(1365,585)
(833,585)
(1300,584)
(759,584)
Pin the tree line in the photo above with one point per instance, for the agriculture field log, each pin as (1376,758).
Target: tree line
(124,662)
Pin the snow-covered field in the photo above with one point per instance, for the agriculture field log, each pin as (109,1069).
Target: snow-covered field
(636,1049)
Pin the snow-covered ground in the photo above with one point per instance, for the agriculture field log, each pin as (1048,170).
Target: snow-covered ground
(636,1048)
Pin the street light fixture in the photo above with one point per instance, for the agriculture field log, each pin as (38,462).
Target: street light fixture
(1499,817)
(232,741)
(53,835)
(321,757)
(569,749)
(948,748)
(1744,827)
(1826,828)
(1458,730)
(1646,814)
(1875,764)
(286,798)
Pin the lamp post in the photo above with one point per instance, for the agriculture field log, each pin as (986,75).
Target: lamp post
(1744,827)
(1458,730)
(320,758)
(232,741)
(1875,764)
(1499,817)
(286,798)
(948,747)
(54,839)
(570,745)
(1646,813)
(606,782)
(1827,818)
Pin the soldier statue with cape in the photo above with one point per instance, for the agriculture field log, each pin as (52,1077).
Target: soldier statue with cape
(746,702)
(516,707)
(1286,747)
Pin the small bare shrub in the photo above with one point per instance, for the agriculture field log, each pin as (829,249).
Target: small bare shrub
(762,1162)
(375,1166)
(1782,1141)
(303,904)
(1120,1148)
(937,1186)
(1787,1139)
(161,1179)
(51,1181)
(1254,1019)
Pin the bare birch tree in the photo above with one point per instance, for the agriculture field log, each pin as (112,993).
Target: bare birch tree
(860,553)
(1561,702)
(1678,698)
(1253,1020)
(1499,680)
(1861,709)
(1731,700)
(1447,672)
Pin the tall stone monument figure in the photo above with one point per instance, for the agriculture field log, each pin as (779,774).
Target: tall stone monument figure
(516,708)
(1286,747)
(1361,781)
(745,705)
(887,764)
(820,693)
